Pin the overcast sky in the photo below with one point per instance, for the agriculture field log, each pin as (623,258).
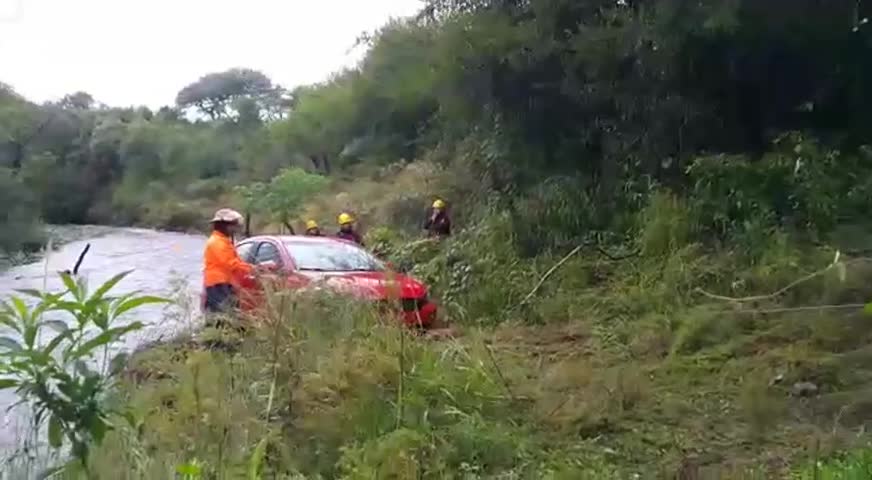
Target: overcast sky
(135,52)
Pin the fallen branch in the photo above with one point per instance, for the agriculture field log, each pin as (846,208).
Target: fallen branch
(756,298)
(613,258)
(549,273)
(81,257)
(809,308)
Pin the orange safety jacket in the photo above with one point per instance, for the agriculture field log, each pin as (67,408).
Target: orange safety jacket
(221,262)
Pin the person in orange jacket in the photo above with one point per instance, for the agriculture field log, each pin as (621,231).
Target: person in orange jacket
(223,269)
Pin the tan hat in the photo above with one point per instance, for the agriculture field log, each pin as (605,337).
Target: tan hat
(227,215)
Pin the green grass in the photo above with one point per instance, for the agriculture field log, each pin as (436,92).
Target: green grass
(854,465)
(598,391)
(338,393)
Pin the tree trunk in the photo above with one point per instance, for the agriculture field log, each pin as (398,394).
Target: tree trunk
(17,156)
(289,227)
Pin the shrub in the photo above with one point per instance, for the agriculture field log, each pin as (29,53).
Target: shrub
(58,378)
(799,183)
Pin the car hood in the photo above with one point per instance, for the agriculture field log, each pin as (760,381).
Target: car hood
(369,285)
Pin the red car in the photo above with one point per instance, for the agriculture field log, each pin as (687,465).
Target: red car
(343,267)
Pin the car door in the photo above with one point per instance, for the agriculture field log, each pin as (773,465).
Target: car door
(268,257)
(248,285)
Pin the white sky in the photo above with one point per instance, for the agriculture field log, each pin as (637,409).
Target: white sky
(134,52)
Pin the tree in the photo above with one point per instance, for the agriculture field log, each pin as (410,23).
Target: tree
(214,94)
(283,195)
(19,215)
(20,124)
(77,101)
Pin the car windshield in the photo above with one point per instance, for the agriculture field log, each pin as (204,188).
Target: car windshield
(332,257)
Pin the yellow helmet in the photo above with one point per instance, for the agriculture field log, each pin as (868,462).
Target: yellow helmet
(438,203)
(311,224)
(345,219)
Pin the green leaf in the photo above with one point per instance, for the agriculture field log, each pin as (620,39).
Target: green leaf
(10,344)
(20,308)
(55,325)
(131,419)
(868,309)
(98,429)
(118,362)
(9,322)
(72,287)
(104,338)
(7,383)
(67,306)
(31,293)
(53,344)
(45,305)
(53,472)
(137,302)
(101,316)
(256,459)
(191,469)
(55,432)
(108,285)
(82,369)
(29,336)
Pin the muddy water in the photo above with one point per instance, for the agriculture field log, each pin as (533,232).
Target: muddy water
(164,264)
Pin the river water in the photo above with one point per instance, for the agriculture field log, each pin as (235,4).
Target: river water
(163,264)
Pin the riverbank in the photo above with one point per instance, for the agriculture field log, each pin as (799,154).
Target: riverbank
(615,367)
(60,235)
(56,236)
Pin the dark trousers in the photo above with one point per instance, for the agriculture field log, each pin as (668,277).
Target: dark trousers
(220,298)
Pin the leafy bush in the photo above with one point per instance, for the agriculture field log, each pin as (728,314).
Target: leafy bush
(799,183)
(18,217)
(59,378)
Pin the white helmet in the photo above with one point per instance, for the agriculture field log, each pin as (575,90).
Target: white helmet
(226,215)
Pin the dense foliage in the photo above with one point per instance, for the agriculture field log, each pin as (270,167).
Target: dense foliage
(620,96)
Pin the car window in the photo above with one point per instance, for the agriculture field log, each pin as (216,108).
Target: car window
(332,257)
(245,251)
(267,252)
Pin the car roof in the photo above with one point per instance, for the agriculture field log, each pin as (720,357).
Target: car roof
(294,239)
